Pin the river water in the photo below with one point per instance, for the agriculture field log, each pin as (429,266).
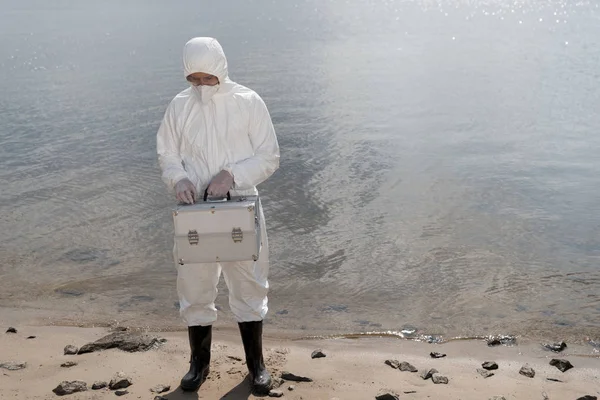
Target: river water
(439,161)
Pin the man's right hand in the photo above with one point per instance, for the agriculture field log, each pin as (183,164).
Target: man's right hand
(186,191)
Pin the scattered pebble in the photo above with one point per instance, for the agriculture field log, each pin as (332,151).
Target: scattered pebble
(437,355)
(234,358)
(489,365)
(498,398)
(553,380)
(99,385)
(31,337)
(291,388)
(393,363)
(439,379)
(527,371)
(13,366)
(387,396)
(11,330)
(121,392)
(120,381)
(160,388)
(288,376)
(317,354)
(406,367)
(65,388)
(70,350)
(562,365)
(484,373)
(68,364)
(426,374)
(275,393)
(160,398)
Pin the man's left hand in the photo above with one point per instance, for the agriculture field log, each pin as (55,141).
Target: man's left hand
(221,184)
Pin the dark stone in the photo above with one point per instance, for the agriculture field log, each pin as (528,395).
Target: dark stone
(484,373)
(70,292)
(428,373)
(588,397)
(291,388)
(556,347)
(553,380)
(13,366)
(437,355)
(11,330)
(502,339)
(288,376)
(65,388)
(120,381)
(439,379)
(275,393)
(160,398)
(489,365)
(393,363)
(406,367)
(562,365)
(126,341)
(527,371)
(160,388)
(410,392)
(30,337)
(121,392)
(70,350)
(99,385)
(68,364)
(317,354)
(387,396)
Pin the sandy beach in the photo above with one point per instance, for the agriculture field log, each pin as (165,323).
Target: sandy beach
(351,369)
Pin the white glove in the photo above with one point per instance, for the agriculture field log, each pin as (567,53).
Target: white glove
(221,184)
(185,191)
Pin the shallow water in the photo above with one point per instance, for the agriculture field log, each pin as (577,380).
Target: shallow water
(439,164)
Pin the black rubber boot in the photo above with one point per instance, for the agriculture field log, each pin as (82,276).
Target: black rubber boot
(200,339)
(252,338)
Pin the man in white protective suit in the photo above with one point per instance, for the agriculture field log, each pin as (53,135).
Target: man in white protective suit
(217,136)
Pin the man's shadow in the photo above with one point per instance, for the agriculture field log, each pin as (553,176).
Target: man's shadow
(241,392)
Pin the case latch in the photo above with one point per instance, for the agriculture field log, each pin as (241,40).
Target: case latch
(193,237)
(237,235)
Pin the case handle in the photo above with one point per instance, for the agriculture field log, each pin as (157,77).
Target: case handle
(222,199)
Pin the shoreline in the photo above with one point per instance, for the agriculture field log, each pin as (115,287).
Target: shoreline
(352,368)
(31,316)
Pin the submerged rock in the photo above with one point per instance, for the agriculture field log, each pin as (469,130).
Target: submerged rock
(556,347)
(502,339)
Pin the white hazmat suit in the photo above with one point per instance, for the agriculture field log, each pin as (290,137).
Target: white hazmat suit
(206,130)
